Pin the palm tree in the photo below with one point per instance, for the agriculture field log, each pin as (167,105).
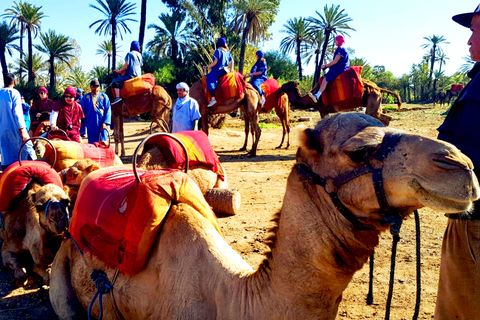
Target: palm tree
(106,49)
(116,12)
(433,44)
(173,39)
(298,38)
(58,48)
(467,66)
(15,14)
(333,21)
(38,67)
(252,19)
(77,78)
(143,22)
(8,34)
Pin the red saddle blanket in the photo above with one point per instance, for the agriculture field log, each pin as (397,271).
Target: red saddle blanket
(199,150)
(138,85)
(229,86)
(270,87)
(346,89)
(117,219)
(457,87)
(14,179)
(69,152)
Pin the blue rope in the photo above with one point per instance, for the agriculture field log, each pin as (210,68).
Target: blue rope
(2,221)
(49,202)
(103,286)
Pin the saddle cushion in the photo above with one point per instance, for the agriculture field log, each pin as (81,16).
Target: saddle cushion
(199,150)
(229,86)
(119,219)
(14,179)
(346,89)
(457,87)
(270,87)
(138,85)
(69,152)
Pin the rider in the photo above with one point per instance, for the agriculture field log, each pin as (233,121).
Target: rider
(44,104)
(67,115)
(339,64)
(258,74)
(222,60)
(132,68)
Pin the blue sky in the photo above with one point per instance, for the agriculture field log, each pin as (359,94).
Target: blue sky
(388,33)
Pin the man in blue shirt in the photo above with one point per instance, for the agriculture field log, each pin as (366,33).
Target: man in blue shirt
(13,131)
(98,114)
(186,113)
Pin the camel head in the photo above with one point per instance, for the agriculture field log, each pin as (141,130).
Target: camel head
(79,170)
(51,203)
(290,87)
(349,151)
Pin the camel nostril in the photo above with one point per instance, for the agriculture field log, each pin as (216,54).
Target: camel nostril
(451,164)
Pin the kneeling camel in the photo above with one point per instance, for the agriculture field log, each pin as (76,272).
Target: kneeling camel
(319,241)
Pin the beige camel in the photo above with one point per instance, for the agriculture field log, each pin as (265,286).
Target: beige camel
(371,100)
(249,102)
(158,101)
(32,227)
(192,273)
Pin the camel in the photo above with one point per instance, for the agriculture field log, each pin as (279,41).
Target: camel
(32,228)
(249,102)
(279,101)
(192,273)
(73,176)
(371,100)
(158,101)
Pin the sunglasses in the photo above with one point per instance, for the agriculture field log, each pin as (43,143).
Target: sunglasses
(68,97)
(42,93)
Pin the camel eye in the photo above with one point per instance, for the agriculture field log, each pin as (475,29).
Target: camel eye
(362,155)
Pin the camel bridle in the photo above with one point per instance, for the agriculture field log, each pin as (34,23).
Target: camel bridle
(391,216)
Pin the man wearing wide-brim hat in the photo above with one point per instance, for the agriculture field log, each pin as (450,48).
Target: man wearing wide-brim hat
(459,284)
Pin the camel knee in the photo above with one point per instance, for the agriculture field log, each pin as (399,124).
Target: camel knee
(43,272)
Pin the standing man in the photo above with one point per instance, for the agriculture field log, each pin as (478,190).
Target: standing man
(186,112)
(98,114)
(459,284)
(12,125)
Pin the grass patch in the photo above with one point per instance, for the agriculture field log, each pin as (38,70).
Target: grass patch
(264,125)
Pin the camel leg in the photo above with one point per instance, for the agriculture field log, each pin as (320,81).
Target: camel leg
(121,137)
(11,260)
(247,129)
(62,296)
(43,271)
(115,132)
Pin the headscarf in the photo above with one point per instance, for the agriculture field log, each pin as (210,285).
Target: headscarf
(70,91)
(183,85)
(42,89)
(221,42)
(260,54)
(79,90)
(340,39)
(135,45)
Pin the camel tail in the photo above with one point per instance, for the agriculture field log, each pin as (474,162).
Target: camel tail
(396,95)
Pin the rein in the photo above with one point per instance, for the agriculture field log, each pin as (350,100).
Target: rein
(391,216)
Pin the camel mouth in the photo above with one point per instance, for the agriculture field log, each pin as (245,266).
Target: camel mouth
(434,200)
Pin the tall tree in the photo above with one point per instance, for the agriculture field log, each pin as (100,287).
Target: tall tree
(116,13)
(433,44)
(30,17)
(297,38)
(16,16)
(8,34)
(143,22)
(467,66)
(172,39)
(106,50)
(333,21)
(252,19)
(58,48)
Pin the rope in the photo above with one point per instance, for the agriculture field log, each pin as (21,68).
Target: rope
(2,221)
(394,230)
(370,279)
(419,273)
(103,286)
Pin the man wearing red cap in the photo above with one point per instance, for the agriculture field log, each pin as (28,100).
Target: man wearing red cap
(67,115)
(40,109)
(459,284)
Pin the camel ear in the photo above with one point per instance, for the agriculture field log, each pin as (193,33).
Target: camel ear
(363,145)
(310,138)
(94,166)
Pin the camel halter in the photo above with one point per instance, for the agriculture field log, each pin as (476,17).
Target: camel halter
(391,215)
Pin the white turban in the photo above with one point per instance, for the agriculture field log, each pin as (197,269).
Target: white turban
(183,85)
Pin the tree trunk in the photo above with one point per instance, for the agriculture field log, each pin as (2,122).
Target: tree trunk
(322,57)
(108,63)
(22,31)
(52,74)
(143,19)
(317,55)
(114,46)
(31,77)
(432,63)
(299,60)
(243,47)
(3,61)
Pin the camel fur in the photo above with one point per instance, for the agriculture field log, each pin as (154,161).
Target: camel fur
(249,102)
(192,273)
(73,176)
(371,100)
(31,237)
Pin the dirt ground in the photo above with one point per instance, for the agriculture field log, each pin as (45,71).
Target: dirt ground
(261,182)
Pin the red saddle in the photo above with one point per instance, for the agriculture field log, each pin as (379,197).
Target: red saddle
(229,86)
(346,89)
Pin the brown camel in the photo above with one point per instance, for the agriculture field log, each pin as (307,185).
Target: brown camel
(192,273)
(32,227)
(279,101)
(371,100)
(249,102)
(158,101)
